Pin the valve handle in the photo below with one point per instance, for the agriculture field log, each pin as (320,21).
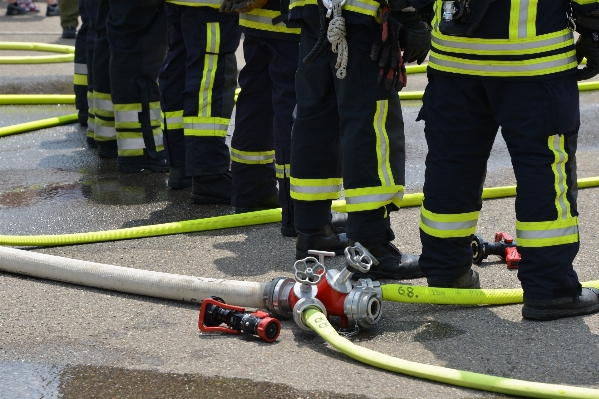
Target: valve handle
(321,255)
(360,258)
(308,271)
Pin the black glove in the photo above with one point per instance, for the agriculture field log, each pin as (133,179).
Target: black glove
(386,51)
(587,46)
(414,37)
(241,5)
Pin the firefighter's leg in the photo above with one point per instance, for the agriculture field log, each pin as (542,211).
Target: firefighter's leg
(138,43)
(104,131)
(460,131)
(91,9)
(252,146)
(282,73)
(80,67)
(315,159)
(171,84)
(211,39)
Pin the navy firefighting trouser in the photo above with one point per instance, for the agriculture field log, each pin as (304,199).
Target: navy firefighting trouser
(263,121)
(91,10)
(348,127)
(197,86)
(80,67)
(539,121)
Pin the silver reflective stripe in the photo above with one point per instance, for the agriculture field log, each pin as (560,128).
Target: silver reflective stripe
(205,126)
(137,144)
(561,179)
(356,3)
(448,226)
(104,105)
(372,198)
(91,126)
(259,19)
(523,18)
(315,189)
(270,157)
(174,120)
(283,169)
(507,67)
(133,116)
(212,60)
(105,131)
(503,46)
(380,126)
(550,233)
(81,69)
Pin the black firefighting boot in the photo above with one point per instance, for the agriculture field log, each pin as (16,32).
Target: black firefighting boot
(212,189)
(267,203)
(586,302)
(392,263)
(136,164)
(338,219)
(178,178)
(107,149)
(468,280)
(324,239)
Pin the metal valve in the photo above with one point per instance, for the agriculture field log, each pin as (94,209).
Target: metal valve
(308,273)
(360,258)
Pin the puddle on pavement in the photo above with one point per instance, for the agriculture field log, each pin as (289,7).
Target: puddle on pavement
(38,381)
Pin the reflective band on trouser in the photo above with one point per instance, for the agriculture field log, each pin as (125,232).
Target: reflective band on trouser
(198,3)
(370,198)
(132,143)
(104,130)
(252,157)
(556,145)
(532,67)
(196,126)
(315,189)
(209,70)
(448,225)
(80,75)
(261,19)
(103,105)
(282,171)
(91,121)
(126,116)
(545,234)
(523,18)
(171,120)
(367,7)
(382,144)
(502,47)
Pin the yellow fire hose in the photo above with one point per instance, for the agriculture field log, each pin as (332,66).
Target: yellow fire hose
(318,322)
(68,51)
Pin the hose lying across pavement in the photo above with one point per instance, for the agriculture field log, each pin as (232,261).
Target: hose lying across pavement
(318,322)
(218,222)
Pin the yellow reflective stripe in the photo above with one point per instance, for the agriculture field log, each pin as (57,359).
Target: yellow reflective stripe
(382,143)
(448,225)
(556,145)
(210,66)
(369,198)
(102,96)
(80,80)
(531,23)
(301,3)
(544,234)
(197,3)
(252,157)
(315,189)
(172,119)
(499,47)
(211,127)
(367,7)
(261,19)
(584,2)
(533,67)
(282,171)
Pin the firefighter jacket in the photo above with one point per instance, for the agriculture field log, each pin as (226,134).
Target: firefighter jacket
(269,21)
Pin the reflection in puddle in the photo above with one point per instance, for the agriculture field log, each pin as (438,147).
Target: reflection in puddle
(28,196)
(31,380)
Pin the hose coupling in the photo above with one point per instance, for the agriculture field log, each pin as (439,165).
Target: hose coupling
(276,297)
(363,305)
(303,304)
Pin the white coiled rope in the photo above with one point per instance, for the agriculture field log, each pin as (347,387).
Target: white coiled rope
(336,35)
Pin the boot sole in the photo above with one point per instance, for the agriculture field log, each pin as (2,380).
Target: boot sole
(200,199)
(141,168)
(546,315)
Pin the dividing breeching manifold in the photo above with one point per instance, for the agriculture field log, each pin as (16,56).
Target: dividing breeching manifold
(357,303)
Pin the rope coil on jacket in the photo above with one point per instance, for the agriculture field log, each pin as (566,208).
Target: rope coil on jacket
(336,35)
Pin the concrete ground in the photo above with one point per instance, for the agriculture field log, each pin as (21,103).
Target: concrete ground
(67,341)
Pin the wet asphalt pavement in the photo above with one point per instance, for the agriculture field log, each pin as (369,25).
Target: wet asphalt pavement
(64,341)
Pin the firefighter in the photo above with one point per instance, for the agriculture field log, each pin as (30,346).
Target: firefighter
(129,48)
(349,128)
(80,81)
(197,85)
(509,64)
